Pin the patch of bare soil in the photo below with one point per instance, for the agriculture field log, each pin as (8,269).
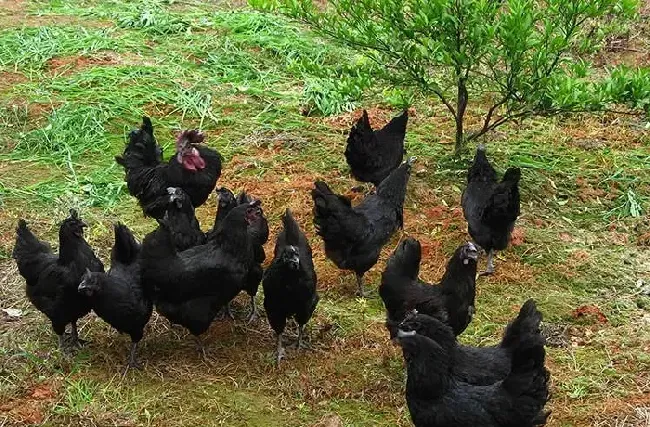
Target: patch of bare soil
(9,80)
(32,407)
(608,130)
(12,6)
(64,65)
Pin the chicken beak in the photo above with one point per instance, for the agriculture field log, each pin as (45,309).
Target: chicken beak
(471,252)
(404,334)
(84,289)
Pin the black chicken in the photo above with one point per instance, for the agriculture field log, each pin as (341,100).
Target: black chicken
(193,285)
(259,233)
(181,219)
(373,155)
(485,365)
(355,236)
(194,168)
(290,282)
(117,296)
(52,279)
(451,301)
(490,207)
(437,398)
(226,201)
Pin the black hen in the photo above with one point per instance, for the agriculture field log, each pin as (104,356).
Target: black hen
(485,365)
(490,207)
(290,282)
(437,398)
(194,168)
(451,301)
(259,234)
(226,202)
(193,285)
(258,231)
(52,279)
(181,219)
(373,155)
(354,236)
(117,296)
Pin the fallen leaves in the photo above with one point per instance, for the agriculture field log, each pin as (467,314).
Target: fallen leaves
(589,311)
(518,237)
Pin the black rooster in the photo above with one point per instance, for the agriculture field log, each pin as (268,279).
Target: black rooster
(191,286)
(258,232)
(194,168)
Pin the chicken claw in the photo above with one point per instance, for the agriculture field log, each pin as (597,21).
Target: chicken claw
(300,343)
(362,292)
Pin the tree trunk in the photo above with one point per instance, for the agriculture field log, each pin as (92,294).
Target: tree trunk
(461,105)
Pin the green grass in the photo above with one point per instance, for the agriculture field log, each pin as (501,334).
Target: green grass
(76,77)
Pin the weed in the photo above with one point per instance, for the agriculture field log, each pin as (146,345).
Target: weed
(30,48)
(71,131)
(78,394)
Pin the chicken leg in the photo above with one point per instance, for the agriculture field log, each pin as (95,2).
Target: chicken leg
(133,363)
(200,346)
(301,336)
(76,342)
(254,315)
(280,353)
(62,346)
(490,263)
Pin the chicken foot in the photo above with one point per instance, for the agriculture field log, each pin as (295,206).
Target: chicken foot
(361,291)
(76,341)
(363,188)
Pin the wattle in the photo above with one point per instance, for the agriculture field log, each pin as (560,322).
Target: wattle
(193,163)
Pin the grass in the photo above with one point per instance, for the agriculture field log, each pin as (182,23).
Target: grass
(75,77)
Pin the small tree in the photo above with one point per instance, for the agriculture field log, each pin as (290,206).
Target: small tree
(508,57)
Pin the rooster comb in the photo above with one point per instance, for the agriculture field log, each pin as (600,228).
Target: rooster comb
(193,136)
